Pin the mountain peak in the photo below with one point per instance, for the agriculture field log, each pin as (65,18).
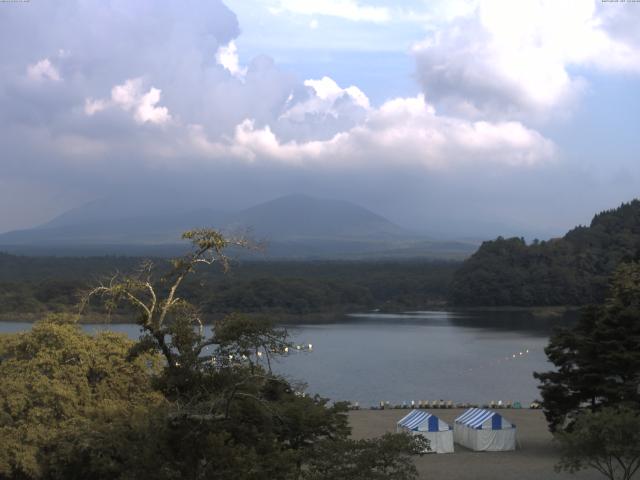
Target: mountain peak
(298,216)
(290,217)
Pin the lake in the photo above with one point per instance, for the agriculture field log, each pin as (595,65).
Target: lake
(368,358)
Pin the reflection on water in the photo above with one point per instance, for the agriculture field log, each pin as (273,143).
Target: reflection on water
(462,356)
(505,320)
(457,355)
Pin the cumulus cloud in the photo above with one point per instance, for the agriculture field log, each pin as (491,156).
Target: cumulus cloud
(515,59)
(130,97)
(212,107)
(325,98)
(227,56)
(621,24)
(93,106)
(346,9)
(483,79)
(43,70)
(327,89)
(402,132)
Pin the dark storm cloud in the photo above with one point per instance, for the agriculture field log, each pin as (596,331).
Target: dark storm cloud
(101,98)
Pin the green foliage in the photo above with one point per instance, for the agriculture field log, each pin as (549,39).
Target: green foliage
(49,284)
(74,406)
(597,361)
(607,440)
(239,336)
(384,458)
(112,444)
(572,270)
(55,379)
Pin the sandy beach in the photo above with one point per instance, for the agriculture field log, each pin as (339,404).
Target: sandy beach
(533,460)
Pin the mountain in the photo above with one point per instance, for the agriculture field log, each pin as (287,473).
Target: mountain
(169,204)
(126,219)
(296,217)
(572,270)
(294,226)
(152,229)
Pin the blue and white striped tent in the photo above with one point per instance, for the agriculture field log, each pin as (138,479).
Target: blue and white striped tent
(421,422)
(484,430)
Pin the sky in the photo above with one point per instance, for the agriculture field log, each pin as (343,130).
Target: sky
(455,118)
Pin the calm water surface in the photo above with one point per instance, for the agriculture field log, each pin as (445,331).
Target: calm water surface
(474,357)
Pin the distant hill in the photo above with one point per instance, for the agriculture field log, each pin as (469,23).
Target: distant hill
(572,270)
(294,226)
(125,206)
(295,217)
(153,229)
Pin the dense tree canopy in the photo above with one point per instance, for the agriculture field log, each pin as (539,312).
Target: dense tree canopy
(384,458)
(56,380)
(597,361)
(607,441)
(47,284)
(572,270)
(186,401)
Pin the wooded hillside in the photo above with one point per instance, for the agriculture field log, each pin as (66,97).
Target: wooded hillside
(572,270)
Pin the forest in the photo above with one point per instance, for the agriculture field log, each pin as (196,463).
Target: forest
(568,271)
(37,285)
(572,270)
(181,402)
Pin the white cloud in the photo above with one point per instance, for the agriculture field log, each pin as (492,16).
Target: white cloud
(514,59)
(327,89)
(313,24)
(129,96)
(402,132)
(326,98)
(43,70)
(146,110)
(262,115)
(498,64)
(227,56)
(92,106)
(346,9)
(346,132)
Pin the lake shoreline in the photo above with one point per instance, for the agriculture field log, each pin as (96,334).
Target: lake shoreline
(463,357)
(119,319)
(338,316)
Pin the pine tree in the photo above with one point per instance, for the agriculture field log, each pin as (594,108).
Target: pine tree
(598,361)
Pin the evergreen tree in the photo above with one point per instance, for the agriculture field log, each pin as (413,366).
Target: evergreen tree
(572,270)
(598,360)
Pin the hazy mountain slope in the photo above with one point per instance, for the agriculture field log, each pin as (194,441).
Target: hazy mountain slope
(165,205)
(286,218)
(295,226)
(300,216)
(150,229)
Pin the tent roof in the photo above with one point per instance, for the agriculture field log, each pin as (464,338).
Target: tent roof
(476,417)
(419,418)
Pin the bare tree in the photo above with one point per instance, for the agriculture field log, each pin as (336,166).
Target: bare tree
(172,324)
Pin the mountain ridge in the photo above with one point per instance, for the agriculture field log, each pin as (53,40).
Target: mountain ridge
(295,225)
